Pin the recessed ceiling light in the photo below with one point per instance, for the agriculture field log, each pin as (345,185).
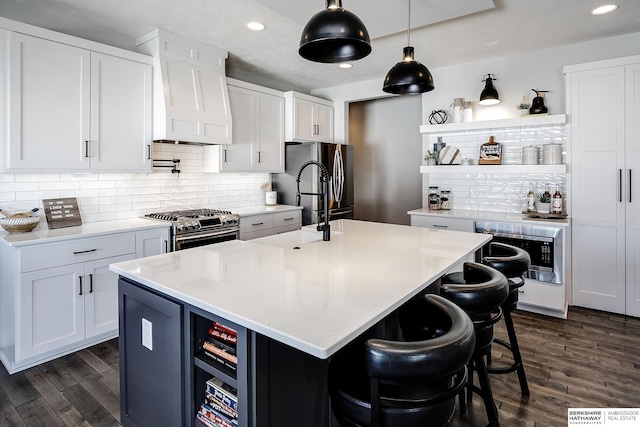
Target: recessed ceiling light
(256,26)
(346,65)
(607,8)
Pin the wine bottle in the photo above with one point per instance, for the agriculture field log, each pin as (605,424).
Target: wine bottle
(531,199)
(556,206)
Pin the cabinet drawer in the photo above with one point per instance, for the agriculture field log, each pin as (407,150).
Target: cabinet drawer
(256,234)
(256,223)
(455,224)
(289,218)
(80,250)
(542,295)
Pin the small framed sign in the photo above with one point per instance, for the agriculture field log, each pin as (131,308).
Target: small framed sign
(490,153)
(61,213)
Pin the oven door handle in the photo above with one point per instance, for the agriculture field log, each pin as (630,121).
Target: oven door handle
(202,236)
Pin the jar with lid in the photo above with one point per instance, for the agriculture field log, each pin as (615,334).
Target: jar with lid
(434,199)
(445,200)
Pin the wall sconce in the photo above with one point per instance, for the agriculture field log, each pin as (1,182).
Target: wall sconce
(489,95)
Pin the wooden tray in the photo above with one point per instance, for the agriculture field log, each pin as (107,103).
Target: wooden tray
(545,215)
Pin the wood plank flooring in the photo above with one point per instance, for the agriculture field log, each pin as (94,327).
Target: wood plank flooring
(592,359)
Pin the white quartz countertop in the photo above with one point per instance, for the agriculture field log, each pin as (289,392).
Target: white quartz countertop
(43,235)
(313,295)
(264,209)
(489,216)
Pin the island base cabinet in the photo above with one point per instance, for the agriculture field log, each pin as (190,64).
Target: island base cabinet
(151,359)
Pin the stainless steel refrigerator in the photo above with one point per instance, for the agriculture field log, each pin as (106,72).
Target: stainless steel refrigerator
(338,159)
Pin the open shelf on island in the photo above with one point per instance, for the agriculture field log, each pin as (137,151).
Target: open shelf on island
(533,120)
(494,169)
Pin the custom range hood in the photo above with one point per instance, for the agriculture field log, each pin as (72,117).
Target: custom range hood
(190,97)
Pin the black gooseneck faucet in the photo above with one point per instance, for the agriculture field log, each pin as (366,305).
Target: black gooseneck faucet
(325,179)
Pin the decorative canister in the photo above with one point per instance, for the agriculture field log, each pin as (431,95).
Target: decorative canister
(271,198)
(552,154)
(530,155)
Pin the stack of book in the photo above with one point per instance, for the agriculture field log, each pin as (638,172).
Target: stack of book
(220,406)
(221,345)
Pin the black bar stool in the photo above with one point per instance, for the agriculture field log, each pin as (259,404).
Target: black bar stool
(399,383)
(513,262)
(479,290)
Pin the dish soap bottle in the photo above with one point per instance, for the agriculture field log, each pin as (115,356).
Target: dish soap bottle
(556,206)
(531,199)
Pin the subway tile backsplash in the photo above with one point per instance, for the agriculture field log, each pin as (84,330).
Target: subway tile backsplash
(109,196)
(496,192)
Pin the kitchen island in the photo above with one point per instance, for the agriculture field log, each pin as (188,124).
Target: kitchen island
(293,299)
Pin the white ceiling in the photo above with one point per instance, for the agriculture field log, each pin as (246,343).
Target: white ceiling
(512,26)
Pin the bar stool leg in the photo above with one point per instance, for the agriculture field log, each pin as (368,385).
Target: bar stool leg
(517,357)
(485,391)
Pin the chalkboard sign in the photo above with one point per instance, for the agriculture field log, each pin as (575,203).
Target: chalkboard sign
(61,213)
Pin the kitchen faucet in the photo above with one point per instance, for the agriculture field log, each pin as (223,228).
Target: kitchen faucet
(325,179)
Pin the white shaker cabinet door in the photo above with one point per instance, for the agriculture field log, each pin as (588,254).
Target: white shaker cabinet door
(100,291)
(51,313)
(152,242)
(237,156)
(50,102)
(324,123)
(269,130)
(632,177)
(598,210)
(120,114)
(304,121)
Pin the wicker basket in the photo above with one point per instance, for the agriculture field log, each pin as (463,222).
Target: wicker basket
(20,224)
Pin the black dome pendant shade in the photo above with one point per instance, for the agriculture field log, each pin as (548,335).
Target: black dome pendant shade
(334,35)
(408,76)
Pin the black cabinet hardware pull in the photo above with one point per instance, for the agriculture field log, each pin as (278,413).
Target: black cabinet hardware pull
(629,185)
(91,283)
(84,252)
(288,219)
(224,156)
(259,223)
(148,151)
(440,226)
(258,157)
(86,148)
(620,185)
(166,246)
(80,286)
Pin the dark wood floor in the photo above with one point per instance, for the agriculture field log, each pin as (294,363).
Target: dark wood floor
(592,359)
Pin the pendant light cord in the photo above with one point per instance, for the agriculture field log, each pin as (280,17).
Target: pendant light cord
(409,26)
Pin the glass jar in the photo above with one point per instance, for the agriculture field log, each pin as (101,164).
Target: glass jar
(445,200)
(434,199)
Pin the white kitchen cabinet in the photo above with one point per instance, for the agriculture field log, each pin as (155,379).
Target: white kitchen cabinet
(269,223)
(58,297)
(152,242)
(308,118)
(72,109)
(120,114)
(65,305)
(190,97)
(258,132)
(603,100)
(455,224)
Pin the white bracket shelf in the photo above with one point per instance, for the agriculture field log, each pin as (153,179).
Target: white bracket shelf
(531,120)
(538,169)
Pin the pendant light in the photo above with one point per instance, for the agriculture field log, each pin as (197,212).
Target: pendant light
(408,76)
(334,35)
(489,95)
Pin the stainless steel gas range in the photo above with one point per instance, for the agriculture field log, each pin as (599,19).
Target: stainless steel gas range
(198,227)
